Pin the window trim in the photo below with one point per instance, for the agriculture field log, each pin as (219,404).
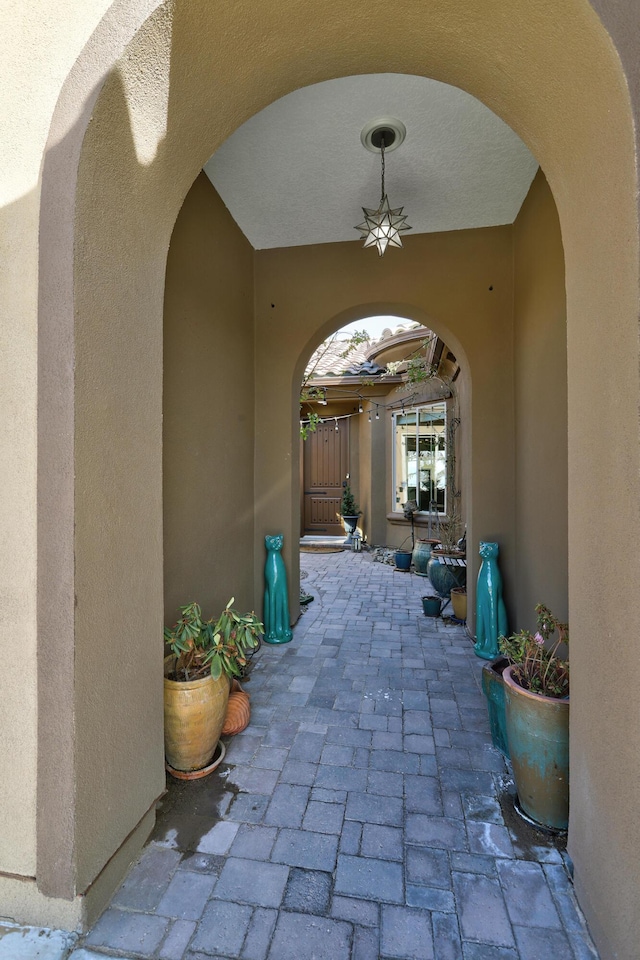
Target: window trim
(416,409)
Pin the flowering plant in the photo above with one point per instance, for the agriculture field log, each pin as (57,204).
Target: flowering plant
(536,664)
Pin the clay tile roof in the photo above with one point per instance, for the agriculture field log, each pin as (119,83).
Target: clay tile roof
(328,359)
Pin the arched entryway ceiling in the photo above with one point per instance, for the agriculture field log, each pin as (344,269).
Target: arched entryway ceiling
(298,173)
(192,74)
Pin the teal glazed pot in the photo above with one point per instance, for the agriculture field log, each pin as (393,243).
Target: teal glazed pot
(443,578)
(403,560)
(422,555)
(538,737)
(431,606)
(493,689)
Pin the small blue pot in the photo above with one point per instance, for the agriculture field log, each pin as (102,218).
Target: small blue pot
(403,560)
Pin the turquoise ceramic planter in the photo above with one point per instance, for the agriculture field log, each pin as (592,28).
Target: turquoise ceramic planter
(422,555)
(493,688)
(538,736)
(443,578)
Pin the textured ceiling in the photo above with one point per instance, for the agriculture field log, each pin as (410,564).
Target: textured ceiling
(297,173)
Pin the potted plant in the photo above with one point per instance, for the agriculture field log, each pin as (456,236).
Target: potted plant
(536,687)
(449,536)
(449,573)
(350,512)
(205,655)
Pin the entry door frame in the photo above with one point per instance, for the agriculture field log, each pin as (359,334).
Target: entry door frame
(326,463)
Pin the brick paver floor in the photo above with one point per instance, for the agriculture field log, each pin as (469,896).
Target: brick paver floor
(362,814)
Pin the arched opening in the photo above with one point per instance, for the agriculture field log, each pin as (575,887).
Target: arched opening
(356,383)
(116,252)
(358,386)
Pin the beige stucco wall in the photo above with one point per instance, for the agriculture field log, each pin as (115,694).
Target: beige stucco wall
(566,97)
(118,500)
(540,334)
(208,409)
(374,461)
(28,94)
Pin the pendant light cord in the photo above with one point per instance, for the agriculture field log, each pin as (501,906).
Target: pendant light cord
(382,167)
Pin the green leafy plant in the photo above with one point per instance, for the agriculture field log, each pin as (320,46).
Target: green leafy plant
(348,505)
(310,425)
(536,664)
(216,646)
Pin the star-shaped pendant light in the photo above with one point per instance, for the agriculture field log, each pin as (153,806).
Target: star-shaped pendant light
(381,228)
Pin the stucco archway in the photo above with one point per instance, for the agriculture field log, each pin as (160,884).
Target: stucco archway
(371,445)
(371,450)
(184,83)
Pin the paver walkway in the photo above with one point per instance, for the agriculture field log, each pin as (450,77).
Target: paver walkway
(362,814)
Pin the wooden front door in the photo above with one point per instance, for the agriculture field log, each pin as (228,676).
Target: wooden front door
(326,465)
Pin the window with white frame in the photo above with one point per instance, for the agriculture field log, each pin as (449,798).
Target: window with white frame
(420,457)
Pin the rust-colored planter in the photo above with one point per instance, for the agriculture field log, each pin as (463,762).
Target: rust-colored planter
(238,711)
(193,716)
(538,736)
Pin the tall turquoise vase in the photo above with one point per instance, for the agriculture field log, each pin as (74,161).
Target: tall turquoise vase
(277,624)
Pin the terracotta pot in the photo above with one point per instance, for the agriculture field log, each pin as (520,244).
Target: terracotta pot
(459,602)
(538,736)
(238,711)
(193,716)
